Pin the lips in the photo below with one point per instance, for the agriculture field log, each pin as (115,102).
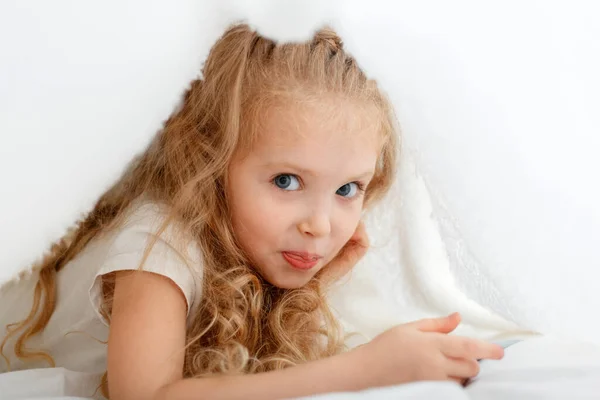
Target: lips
(301,260)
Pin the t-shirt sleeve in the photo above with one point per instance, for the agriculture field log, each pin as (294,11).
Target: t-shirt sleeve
(127,248)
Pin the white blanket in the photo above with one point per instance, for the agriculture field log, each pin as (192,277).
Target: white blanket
(493,215)
(537,369)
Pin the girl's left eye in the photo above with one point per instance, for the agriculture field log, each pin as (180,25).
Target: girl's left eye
(349,190)
(287,182)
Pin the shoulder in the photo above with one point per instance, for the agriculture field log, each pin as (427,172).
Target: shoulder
(144,216)
(146,240)
(148,223)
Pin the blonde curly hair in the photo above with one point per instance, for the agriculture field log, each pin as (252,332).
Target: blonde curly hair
(244,324)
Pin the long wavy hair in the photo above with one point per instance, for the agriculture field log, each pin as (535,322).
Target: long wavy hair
(244,324)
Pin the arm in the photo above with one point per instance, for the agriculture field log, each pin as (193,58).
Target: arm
(333,374)
(145,353)
(147,337)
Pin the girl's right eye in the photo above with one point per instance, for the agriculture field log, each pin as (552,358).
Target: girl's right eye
(287,182)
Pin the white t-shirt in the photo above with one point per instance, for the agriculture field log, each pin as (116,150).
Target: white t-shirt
(76,334)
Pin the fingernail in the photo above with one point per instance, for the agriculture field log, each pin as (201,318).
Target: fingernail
(500,352)
(454,315)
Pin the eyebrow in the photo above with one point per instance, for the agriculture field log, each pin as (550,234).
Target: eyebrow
(286,166)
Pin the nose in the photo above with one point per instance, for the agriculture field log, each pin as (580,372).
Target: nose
(317,224)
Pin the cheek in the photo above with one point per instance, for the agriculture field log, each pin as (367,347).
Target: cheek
(346,222)
(246,218)
(258,220)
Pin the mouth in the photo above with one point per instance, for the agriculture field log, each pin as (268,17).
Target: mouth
(301,260)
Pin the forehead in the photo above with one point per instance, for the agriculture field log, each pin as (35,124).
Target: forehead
(334,142)
(329,124)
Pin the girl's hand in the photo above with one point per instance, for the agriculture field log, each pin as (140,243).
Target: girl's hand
(420,351)
(349,255)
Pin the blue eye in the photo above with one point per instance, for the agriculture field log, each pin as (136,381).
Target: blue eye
(349,190)
(287,182)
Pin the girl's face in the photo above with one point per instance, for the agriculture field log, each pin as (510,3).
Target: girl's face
(296,198)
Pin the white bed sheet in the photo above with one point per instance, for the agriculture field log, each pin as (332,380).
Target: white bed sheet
(542,368)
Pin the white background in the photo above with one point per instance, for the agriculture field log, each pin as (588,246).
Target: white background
(498,102)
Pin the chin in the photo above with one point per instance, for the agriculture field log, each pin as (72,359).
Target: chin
(290,285)
(288,282)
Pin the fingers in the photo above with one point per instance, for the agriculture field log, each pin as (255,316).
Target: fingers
(352,251)
(439,325)
(360,235)
(461,369)
(348,256)
(357,245)
(468,348)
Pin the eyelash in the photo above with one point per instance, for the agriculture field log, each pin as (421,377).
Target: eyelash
(359,185)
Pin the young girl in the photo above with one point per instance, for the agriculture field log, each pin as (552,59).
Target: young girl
(202,272)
